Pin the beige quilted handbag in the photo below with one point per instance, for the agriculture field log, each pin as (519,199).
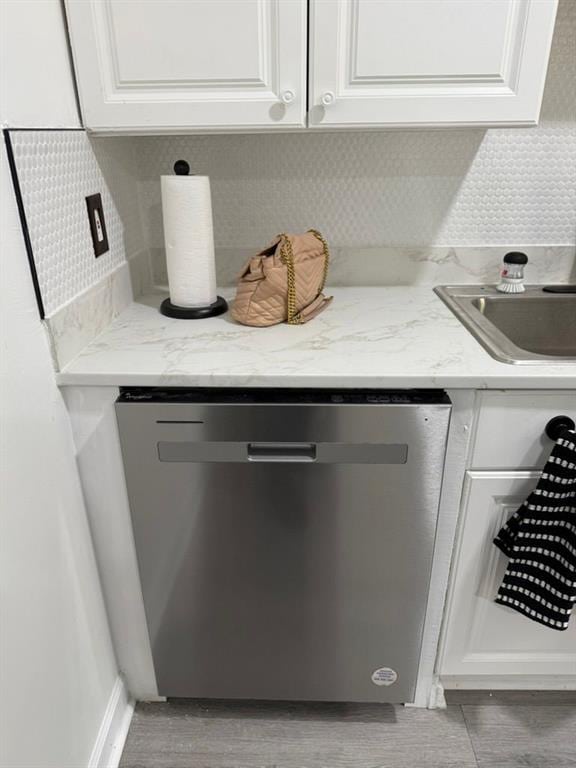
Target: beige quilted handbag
(284,282)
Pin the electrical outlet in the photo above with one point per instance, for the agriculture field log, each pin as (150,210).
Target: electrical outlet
(97,224)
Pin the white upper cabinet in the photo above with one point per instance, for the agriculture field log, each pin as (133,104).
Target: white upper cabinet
(428,62)
(161,65)
(200,65)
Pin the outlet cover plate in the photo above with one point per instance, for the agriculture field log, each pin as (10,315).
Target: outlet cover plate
(97,224)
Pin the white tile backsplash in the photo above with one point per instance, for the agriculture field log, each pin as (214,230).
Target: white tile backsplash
(57,170)
(379,189)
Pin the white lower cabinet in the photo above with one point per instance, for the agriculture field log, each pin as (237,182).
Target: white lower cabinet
(486,644)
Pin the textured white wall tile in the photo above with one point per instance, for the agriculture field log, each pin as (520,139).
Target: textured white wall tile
(118,164)
(57,170)
(418,188)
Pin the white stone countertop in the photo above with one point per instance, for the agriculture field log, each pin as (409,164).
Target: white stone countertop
(380,337)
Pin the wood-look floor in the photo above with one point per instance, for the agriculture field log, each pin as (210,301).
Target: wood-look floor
(478,730)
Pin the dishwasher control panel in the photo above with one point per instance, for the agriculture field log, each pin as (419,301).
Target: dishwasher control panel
(283,396)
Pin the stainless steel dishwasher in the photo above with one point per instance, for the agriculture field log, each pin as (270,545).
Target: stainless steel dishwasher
(284,538)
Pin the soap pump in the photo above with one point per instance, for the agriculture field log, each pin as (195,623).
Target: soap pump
(512,273)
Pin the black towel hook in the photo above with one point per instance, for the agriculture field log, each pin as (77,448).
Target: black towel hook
(558,425)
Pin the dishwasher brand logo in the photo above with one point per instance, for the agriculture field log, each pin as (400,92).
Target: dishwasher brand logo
(384,676)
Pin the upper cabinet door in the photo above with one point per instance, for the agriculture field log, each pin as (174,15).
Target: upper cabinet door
(161,65)
(428,62)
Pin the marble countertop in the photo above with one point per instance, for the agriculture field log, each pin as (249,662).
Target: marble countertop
(394,337)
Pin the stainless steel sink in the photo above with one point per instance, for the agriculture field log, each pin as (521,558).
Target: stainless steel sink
(531,327)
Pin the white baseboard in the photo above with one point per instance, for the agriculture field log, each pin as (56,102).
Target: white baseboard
(113,730)
(509,682)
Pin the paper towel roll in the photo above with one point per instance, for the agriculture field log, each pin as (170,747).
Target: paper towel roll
(189,239)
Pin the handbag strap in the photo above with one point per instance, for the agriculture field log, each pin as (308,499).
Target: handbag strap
(287,256)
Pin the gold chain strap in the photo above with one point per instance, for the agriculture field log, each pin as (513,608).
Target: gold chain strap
(320,237)
(287,256)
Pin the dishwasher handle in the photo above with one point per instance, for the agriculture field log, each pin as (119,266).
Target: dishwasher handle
(282,452)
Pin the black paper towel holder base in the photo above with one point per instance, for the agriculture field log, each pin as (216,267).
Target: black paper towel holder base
(218,307)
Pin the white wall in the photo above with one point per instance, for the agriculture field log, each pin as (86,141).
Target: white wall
(57,664)
(36,88)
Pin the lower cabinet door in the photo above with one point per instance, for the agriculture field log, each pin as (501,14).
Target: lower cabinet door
(483,639)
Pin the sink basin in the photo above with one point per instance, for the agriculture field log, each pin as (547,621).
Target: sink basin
(530,327)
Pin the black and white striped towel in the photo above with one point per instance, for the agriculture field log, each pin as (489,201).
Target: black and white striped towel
(540,540)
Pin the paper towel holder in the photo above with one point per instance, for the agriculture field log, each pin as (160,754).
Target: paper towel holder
(182,168)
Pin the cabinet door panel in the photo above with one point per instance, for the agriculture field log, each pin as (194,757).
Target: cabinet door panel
(208,58)
(482,637)
(199,64)
(434,62)
(395,41)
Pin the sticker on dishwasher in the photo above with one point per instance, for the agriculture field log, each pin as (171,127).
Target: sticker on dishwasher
(384,676)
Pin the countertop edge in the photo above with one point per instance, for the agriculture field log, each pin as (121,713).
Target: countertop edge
(532,381)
